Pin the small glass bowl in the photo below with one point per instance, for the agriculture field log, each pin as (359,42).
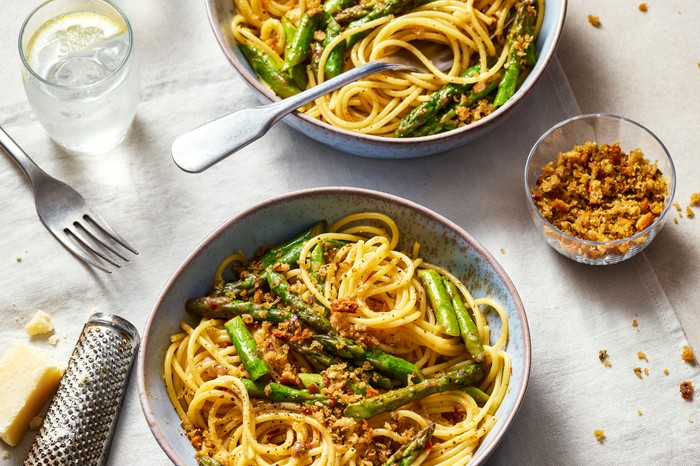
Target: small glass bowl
(601,129)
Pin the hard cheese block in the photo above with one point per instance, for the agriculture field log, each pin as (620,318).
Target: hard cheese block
(27,379)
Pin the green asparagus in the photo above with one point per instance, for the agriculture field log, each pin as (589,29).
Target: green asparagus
(308,379)
(380,9)
(247,348)
(440,301)
(288,252)
(394,399)
(322,360)
(301,44)
(278,392)
(352,13)
(521,54)
(206,461)
(450,119)
(426,111)
(385,363)
(467,327)
(215,307)
(408,453)
(296,72)
(269,71)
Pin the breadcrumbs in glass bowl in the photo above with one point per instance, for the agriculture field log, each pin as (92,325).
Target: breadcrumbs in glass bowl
(599,187)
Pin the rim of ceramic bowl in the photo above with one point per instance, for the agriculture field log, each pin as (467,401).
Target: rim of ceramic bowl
(669,198)
(505,423)
(492,118)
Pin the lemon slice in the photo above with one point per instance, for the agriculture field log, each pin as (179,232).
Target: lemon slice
(67,35)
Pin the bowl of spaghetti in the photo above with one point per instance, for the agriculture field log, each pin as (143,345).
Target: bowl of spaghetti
(335,326)
(499,49)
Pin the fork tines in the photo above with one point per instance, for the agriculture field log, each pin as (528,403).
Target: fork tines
(94,241)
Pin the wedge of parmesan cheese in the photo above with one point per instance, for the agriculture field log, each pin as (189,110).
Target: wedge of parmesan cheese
(28,377)
(40,324)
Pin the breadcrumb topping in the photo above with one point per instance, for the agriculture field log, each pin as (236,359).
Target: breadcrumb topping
(599,193)
(594,21)
(686,390)
(688,355)
(643,7)
(599,435)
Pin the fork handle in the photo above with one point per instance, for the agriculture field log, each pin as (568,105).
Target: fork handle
(30,169)
(202,147)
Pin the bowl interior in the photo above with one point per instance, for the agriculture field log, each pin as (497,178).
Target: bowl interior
(442,242)
(220,13)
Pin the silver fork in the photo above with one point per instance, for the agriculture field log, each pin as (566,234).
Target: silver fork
(66,214)
(206,145)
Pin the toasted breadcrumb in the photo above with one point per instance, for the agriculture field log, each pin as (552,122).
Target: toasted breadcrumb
(594,20)
(597,192)
(646,371)
(639,412)
(634,323)
(686,390)
(603,356)
(638,372)
(677,206)
(666,372)
(695,197)
(688,355)
(689,212)
(643,7)
(642,355)
(599,435)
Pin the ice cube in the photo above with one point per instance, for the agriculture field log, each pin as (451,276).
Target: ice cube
(76,71)
(111,53)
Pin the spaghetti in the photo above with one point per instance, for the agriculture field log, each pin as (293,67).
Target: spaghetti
(374,299)
(472,29)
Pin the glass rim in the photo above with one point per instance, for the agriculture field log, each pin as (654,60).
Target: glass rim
(662,216)
(27,66)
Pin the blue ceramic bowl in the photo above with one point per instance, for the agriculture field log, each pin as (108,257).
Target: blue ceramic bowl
(442,242)
(220,13)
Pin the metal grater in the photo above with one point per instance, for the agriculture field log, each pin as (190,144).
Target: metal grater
(81,418)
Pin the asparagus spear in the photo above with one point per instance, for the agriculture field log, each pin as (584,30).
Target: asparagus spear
(217,307)
(439,99)
(336,57)
(440,301)
(301,43)
(319,359)
(408,453)
(449,120)
(381,9)
(237,288)
(467,327)
(479,396)
(394,399)
(352,13)
(521,54)
(297,72)
(247,348)
(322,360)
(206,461)
(278,392)
(309,379)
(387,364)
(268,70)
(288,252)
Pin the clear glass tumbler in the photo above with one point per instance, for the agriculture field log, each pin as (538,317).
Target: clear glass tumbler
(80,73)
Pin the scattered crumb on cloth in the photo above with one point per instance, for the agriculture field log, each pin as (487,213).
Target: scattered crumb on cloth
(594,21)
(599,435)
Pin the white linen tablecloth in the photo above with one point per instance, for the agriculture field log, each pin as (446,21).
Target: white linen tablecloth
(573,310)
